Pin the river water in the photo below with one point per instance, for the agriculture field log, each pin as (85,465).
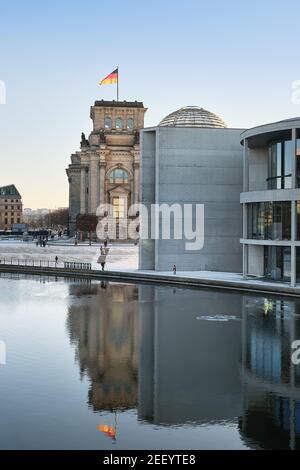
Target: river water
(91,365)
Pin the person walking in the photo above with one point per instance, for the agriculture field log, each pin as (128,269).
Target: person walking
(102,258)
(174,269)
(56,260)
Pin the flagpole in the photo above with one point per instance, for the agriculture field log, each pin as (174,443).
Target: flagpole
(118,85)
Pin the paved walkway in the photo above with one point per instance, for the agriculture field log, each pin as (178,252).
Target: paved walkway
(122,263)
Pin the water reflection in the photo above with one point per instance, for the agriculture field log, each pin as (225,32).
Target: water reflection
(144,347)
(103,325)
(271,383)
(189,369)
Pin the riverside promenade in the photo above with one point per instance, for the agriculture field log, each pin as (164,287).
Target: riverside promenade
(203,279)
(121,266)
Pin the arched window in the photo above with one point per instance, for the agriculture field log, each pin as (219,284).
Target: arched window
(129,123)
(119,123)
(107,122)
(119,176)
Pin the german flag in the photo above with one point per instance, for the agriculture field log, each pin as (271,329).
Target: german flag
(111,78)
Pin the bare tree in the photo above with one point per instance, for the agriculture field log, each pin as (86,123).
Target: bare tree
(87,223)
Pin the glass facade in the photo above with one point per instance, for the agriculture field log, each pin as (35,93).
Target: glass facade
(298,267)
(278,263)
(270,220)
(280,165)
(298,163)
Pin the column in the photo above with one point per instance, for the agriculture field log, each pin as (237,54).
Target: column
(102,181)
(293,247)
(245,261)
(82,190)
(294,159)
(136,167)
(93,190)
(246,166)
(245,237)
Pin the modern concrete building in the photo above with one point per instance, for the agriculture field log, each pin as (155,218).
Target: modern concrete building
(106,169)
(10,207)
(193,158)
(271,201)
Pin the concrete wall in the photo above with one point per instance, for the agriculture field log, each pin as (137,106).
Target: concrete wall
(197,166)
(147,191)
(256,260)
(258,169)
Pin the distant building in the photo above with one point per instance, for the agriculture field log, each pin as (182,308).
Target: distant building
(106,169)
(193,158)
(11,207)
(32,215)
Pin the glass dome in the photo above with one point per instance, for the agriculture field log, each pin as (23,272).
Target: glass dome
(193,116)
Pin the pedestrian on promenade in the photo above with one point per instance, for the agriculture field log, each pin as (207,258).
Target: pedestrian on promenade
(102,259)
(174,269)
(56,260)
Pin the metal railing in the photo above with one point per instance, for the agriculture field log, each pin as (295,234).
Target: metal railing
(76,265)
(46,263)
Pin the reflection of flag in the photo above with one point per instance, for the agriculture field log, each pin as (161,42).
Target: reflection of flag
(111,78)
(110,431)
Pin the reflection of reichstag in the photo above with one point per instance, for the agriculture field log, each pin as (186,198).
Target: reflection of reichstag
(103,324)
(191,357)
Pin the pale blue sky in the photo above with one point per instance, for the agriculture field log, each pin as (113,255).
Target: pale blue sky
(235,58)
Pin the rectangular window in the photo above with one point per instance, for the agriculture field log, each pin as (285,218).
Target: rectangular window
(277,221)
(288,164)
(298,264)
(270,220)
(298,162)
(280,165)
(286,220)
(298,219)
(278,263)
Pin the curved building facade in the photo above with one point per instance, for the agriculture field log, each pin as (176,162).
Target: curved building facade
(271,201)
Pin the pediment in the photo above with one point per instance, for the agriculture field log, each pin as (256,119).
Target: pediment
(119,189)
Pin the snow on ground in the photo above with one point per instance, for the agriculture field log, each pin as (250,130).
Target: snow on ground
(121,256)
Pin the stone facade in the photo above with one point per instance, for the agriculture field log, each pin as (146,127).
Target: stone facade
(11,207)
(107,167)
